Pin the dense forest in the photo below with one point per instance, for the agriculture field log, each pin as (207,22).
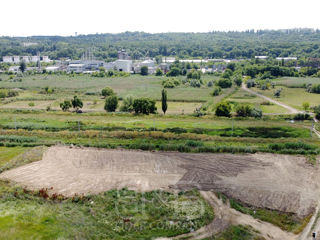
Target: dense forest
(247,44)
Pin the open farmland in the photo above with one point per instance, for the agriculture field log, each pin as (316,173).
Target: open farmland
(293,97)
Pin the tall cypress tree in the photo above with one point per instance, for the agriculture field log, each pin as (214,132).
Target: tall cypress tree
(164,101)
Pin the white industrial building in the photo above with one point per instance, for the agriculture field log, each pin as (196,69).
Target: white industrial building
(16,59)
(26,59)
(123,65)
(35,58)
(286,59)
(7,59)
(45,59)
(76,67)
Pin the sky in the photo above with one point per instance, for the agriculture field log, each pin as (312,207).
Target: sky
(66,17)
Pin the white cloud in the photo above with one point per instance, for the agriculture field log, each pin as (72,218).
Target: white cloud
(65,17)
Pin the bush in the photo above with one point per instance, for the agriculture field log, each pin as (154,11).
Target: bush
(3,93)
(66,105)
(174,72)
(216,91)
(251,83)
(237,80)
(171,83)
(243,110)
(127,104)
(159,72)
(302,117)
(107,92)
(195,83)
(194,74)
(315,88)
(224,83)
(144,70)
(256,113)
(223,109)
(144,105)
(111,103)
(210,83)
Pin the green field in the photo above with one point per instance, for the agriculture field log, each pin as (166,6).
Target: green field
(241,96)
(293,97)
(296,82)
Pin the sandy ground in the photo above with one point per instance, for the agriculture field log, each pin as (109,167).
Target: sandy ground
(281,182)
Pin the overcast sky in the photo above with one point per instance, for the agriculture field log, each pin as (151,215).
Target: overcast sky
(65,17)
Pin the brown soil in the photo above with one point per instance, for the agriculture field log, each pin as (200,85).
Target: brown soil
(280,182)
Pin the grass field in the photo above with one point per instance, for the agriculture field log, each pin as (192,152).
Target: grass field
(293,97)
(296,82)
(135,85)
(241,96)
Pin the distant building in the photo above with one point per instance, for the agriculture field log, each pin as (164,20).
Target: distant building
(26,59)
(123,55)
(76,67)
(52,68)
(123,65)
(7,59)
(45,59)
(165,67)
(261,57)
(14,69)
(16,59)
(84,65)
(35,59)
(286,59)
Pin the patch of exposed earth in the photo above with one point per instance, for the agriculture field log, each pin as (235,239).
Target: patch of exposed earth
(281,182)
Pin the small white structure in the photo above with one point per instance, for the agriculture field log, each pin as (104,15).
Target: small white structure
(14,69)
(45,59)
(52,69)
(123,65)
(35,58)
(261,57)
(26,59)
(16,59)
(287,59)
(76,67)
(7,59)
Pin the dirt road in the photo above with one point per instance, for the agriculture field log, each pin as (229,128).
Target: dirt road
(226,216)
(290,109)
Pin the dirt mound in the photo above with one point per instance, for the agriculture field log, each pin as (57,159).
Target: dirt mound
(280,182)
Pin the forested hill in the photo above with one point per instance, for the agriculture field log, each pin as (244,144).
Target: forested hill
(283,43)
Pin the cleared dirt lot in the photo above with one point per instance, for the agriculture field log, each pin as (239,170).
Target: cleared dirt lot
(280,182)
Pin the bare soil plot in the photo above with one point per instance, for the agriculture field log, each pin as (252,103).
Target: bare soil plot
(280,182)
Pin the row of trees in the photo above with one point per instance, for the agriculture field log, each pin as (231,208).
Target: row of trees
(295,42)
(141,105)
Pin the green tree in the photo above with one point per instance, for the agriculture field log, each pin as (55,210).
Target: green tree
(305,106)
(223,109)
(144,105)
(127,104)
(244,110)
(237,80)
(66,105)
(111,103)
(159,72)
(164,101)
(224,83)
(76,103)
(174,71)
(144,70)
(107,91)
(22,66)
